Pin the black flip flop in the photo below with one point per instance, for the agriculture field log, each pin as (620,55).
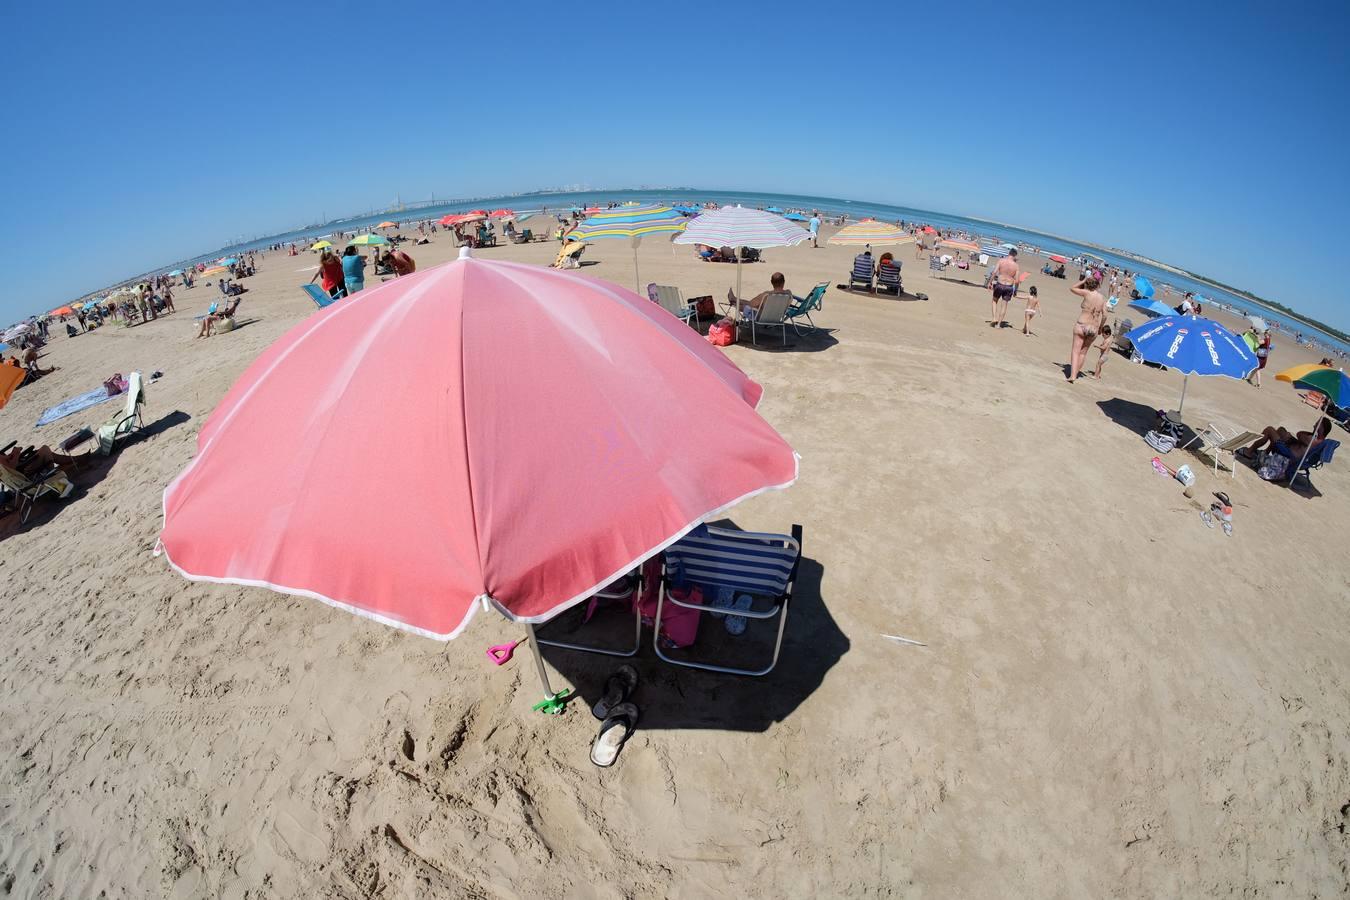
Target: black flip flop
(614,733)
(618,688)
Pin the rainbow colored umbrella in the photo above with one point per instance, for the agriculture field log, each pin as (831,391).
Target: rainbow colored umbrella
(632,222)
(321,245)
(1332,384)
(368,240)
(510,388)
(870,231)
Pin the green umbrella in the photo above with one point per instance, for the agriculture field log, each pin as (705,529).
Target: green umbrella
(368,240)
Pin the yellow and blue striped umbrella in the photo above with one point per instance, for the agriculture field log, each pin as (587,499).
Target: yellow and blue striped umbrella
(870,231)
(630,222)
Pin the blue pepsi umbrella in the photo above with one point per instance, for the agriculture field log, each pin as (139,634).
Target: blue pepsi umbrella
(773,209)
(1193,345)
(795,217)
(1153,307)
(1143,286)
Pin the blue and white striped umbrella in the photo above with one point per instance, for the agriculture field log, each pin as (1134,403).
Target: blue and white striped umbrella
(736,226)
(1193,345)
(993,250)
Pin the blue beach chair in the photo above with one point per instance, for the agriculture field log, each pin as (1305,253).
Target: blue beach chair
(888,277)
(801,309)
(741,562)
(318,295)
(1317,458)
(863,269)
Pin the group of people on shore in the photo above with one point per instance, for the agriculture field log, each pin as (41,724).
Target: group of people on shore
(342,276)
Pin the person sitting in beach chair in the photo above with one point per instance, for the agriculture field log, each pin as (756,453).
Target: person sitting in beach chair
(1293,446)
(888,275)
(569,256)
(750,309)
(863,269)
(26,474)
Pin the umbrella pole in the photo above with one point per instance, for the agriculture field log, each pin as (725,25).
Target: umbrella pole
(553,703)
(637,282)
(1306,451)
(1182,405)
(738,284)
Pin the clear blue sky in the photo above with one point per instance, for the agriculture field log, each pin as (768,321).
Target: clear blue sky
(1212,136)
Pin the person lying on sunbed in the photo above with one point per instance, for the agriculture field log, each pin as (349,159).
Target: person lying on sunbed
(28,461)
(1282,442)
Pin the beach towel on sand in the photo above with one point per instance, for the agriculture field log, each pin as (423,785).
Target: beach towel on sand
(75,404)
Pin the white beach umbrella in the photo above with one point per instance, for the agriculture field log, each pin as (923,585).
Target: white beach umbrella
(736,226)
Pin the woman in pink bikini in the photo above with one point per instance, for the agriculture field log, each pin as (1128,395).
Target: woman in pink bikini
(1090,318)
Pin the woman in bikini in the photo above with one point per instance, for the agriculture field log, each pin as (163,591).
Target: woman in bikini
(1091,315)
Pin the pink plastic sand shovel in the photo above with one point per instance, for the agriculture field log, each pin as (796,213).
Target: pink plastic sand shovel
(501,653)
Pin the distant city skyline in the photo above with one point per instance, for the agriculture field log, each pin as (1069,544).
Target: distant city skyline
(1200,158)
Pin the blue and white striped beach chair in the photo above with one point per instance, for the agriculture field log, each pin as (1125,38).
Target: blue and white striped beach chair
(935,263)
(863,269)
(746,562)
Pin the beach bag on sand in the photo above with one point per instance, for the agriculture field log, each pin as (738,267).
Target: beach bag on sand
(722,333)
(1163,443)
(679,626)
(115,385)
(703,306)
(1273,467)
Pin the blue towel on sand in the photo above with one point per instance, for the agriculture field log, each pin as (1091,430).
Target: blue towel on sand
(73,405)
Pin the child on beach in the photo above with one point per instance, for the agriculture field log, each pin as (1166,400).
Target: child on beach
(1104,348)
(1033,307)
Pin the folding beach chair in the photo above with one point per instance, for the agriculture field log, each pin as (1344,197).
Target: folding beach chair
(1317,458)
(672,301)
(626,589)
(569,256)
(862,272)
(802,306)
(772,314)
(27,490)
(935,263)
(1216,441)
(318,295)
(888,277)
(761,566)
(128,420)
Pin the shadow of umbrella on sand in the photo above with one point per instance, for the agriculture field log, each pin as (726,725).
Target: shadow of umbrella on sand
(544,450)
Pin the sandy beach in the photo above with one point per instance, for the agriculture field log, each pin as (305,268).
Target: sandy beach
(1110,699)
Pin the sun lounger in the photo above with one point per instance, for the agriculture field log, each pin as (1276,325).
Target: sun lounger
(318,295)
(863,269)
(734,563)
(888,278)
(1216,441)
(27,490)
(771,314)
(802,306)
(672,301)
(127,420)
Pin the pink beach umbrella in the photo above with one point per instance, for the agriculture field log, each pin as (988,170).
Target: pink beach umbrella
(480,434)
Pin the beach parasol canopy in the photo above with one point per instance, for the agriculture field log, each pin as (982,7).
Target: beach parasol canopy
(531,470)
(368,240)
(1332,384)
(870,231)
(632,222)
(1152,308)
(10,379)
(175,272)
(997,251)
(736,226)
(958,244)
(463,218)
(61,311)
(228,261)
(1194,346)
(14,332)
(928,229)
(502,214)
(321,245)
(1258,323)
(1143,286)
(1055,257)
(773,209)
(387,225)
(795,217)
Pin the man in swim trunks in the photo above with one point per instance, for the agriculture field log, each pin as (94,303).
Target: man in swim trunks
(1006,276)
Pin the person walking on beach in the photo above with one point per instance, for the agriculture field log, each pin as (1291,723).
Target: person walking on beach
(815,227)
(1104,349)
(1091,316)
(401,263)
(1005,285)
(1262,351)
(1033,308)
